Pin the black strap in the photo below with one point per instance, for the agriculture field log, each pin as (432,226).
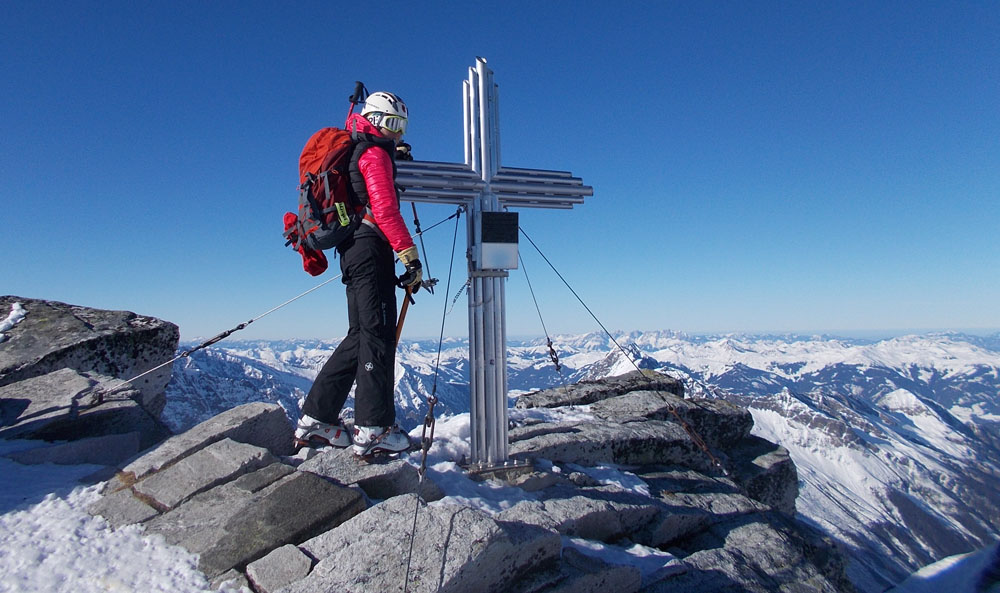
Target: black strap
(311,197)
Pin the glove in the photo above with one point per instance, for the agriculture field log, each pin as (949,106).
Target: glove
(403,152)
(414,269)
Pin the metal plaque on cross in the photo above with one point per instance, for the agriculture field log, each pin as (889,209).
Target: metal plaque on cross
(487,190)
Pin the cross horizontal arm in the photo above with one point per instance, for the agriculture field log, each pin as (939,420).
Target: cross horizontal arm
(451,183)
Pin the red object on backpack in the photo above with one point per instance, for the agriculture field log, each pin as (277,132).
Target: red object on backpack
(313,261)
(328,211)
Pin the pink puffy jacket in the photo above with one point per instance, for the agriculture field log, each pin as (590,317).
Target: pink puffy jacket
(376,167)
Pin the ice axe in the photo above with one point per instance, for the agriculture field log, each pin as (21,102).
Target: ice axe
(402,312)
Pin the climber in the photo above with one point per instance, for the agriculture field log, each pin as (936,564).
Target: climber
(367,354)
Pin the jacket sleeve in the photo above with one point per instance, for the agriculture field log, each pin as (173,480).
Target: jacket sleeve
(376,168)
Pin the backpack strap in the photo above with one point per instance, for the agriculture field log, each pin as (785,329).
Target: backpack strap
(310,196)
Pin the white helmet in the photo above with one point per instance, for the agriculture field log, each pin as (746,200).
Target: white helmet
(385,110)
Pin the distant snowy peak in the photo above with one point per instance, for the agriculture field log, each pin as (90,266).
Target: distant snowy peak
(792,359)
(903,401)
(619,362)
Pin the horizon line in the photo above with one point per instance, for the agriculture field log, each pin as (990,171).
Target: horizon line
(869,334)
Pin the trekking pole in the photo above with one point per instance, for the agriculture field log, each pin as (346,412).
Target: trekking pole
(360,92)
(402,312)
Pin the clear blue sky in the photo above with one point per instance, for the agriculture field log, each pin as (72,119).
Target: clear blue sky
(757,166)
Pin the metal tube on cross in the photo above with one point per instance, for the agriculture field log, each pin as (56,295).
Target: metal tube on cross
(488,190)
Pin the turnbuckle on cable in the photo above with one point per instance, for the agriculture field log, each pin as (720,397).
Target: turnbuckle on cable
(553,356)
(426,440)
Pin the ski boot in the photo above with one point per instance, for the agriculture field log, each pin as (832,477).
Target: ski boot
(313,433)
(375,441)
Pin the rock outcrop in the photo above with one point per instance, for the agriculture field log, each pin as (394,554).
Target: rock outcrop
(712,504)
(588,392)
(725,509)
(53,336)
(60,406)
(62,372)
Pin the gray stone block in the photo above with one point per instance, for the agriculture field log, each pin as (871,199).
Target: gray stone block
(116,482)
(583,516)
(229,527)
(260,479)
(533,481)
(721,505)
(754,554)
(59,406)
(719,423)
(603,442)
(281,567)
(767,473)
(200,523)
(260,424)
(103,450)
(674,523)
(233,579)
(458,549)
(122,508)
(379,480)
(216,464)
(588,574)
(588,392)
(692,502)
(31,404)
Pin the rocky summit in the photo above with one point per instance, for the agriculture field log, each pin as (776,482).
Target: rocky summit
(715,506)
(719,506)
(894,440)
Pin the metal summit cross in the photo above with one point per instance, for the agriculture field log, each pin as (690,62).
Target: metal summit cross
(486,190)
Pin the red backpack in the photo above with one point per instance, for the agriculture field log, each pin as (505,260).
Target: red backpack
(329,212)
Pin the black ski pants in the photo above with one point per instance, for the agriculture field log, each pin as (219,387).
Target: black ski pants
(368,353)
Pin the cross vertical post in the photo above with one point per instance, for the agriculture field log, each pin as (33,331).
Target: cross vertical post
(487,190)
(487,322)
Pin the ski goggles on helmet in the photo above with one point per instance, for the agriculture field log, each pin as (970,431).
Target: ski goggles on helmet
(394,123)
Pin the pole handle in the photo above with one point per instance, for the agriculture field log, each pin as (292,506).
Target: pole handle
(359,95)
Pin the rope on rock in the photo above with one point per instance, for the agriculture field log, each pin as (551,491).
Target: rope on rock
(426,440)
(695,437)
(99,394)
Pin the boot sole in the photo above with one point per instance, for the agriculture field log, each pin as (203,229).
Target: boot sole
(379,451)
(315,442)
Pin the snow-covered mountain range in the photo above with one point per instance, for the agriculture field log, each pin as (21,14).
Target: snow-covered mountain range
(897,441)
